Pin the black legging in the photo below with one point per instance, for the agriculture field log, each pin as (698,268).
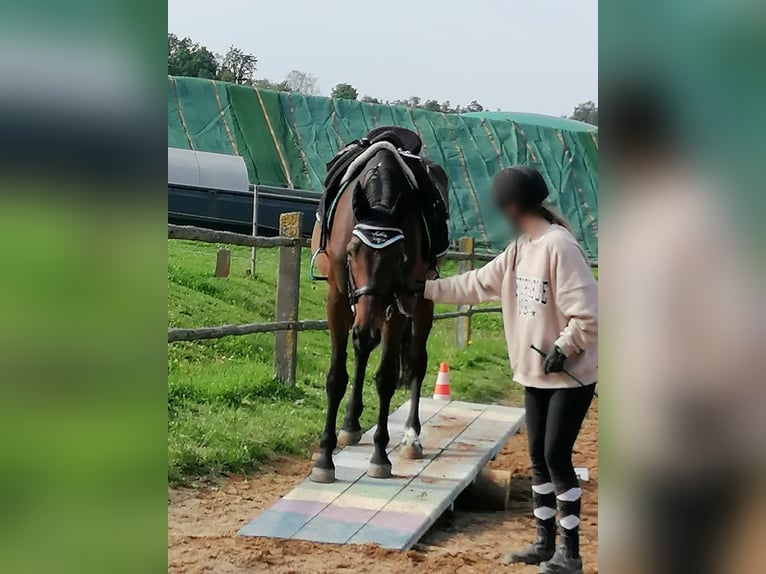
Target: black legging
(553,419)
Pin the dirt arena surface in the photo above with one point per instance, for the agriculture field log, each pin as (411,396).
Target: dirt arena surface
(202,525)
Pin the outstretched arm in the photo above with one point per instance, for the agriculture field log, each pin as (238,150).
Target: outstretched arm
(470,288)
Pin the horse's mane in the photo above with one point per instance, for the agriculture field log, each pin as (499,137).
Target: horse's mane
(383,181)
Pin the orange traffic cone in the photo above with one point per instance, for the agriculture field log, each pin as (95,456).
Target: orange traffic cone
(441,390)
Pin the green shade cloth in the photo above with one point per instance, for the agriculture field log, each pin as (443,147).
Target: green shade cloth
(286,140)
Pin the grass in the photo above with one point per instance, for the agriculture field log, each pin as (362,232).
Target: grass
(227,414)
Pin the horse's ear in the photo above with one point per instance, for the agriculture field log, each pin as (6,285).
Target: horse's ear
(359,203)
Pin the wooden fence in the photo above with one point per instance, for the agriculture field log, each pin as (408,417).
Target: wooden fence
(287,325)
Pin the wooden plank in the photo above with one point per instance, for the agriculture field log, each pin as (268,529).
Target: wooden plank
(413,510)
(192,233)
(201,333)
(365,499)
(396,421)
(458,439)
(283,520)
(300,505)
(470,312)
(339,521)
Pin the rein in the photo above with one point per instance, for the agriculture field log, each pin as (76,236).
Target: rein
(354,294)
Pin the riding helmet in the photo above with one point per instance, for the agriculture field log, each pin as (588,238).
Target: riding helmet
(521,185)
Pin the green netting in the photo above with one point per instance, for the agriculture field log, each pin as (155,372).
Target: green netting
(286,140)
(202,119)
(536,120)
(176,132)
(255,132)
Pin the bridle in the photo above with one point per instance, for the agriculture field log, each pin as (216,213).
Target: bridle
(378,238)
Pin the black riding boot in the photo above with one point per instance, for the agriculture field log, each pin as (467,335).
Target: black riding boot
(567,559)
(545,515)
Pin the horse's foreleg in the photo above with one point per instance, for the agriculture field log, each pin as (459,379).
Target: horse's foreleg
(417,357)
(405,375)
(352,430)
(339,321)
(385,383)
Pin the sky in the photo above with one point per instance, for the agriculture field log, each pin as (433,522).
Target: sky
(516,55)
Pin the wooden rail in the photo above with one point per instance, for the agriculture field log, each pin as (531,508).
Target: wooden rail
(192,233)
(202,333)
(286,326)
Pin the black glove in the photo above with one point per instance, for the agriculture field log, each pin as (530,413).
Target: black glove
(554,361)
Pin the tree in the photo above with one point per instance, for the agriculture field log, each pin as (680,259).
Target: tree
(413,102)
(187,58)
(474,106)
(344,92)
(302,83)
(240,65)
(173,44)
(587,112)
(265,84)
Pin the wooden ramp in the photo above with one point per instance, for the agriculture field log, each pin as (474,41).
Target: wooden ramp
(458,440)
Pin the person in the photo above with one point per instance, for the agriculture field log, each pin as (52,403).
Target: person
(549,301)
(684,324)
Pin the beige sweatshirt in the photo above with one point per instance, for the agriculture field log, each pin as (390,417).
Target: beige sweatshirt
(549,299)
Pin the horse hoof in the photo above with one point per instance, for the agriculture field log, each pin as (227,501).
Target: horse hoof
(379,470)
(348,438)
(322,475)
(412,451)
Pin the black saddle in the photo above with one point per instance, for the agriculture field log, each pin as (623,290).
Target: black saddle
(431,180)
(400,138)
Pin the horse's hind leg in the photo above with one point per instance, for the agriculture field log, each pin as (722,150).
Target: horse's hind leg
(352,430)
(417,358)
(385,383)
(339,320)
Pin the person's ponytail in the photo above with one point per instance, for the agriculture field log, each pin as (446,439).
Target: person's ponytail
(553,217)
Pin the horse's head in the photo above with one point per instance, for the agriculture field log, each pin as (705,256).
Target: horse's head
(378,265)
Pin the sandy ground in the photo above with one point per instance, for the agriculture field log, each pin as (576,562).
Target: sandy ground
(202,524)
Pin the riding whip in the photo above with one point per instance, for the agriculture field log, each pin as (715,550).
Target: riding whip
(571,376)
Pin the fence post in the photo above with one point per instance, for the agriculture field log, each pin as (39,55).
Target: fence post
(463,330)
(222,263)
(288,295)
(255,230)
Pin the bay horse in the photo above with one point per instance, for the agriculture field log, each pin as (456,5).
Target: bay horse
(375,254)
